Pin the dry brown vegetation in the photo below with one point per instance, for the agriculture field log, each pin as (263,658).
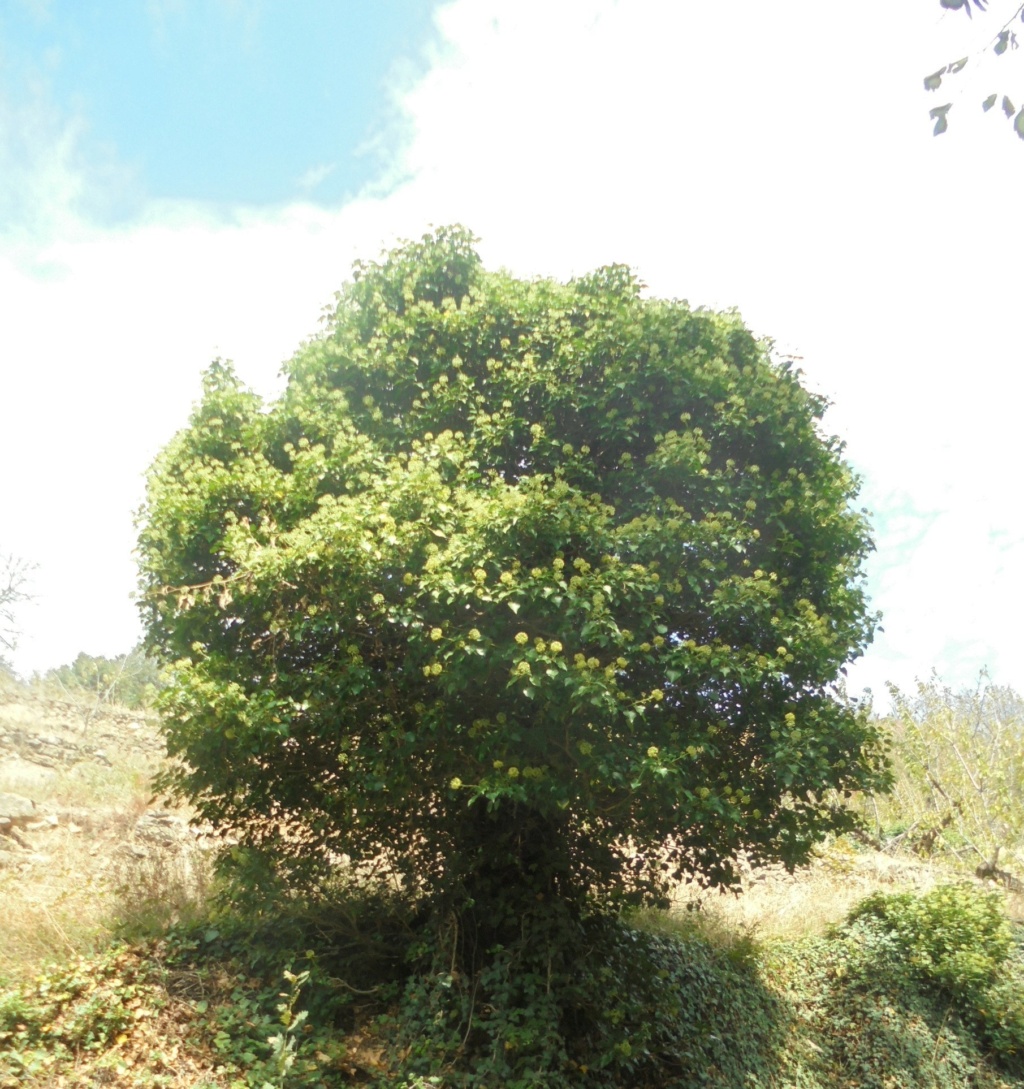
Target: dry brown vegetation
(97,859)
(777,904)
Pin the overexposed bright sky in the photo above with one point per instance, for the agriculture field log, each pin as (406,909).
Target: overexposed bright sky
(184,179)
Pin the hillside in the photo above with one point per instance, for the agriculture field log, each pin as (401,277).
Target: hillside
(768,988)
(85,842)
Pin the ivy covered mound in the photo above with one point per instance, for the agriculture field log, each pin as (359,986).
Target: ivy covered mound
(529,593)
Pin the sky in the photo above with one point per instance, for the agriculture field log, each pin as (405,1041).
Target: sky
(187,179)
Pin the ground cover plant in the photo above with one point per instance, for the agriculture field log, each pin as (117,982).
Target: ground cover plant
(241,999)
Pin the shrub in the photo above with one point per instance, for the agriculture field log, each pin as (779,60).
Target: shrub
(955,937)
(957,942)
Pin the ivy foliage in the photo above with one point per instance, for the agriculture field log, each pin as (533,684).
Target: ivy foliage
(635,1008)
(955,948)
(519,585)
(912,990)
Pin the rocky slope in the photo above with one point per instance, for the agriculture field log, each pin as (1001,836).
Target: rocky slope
(84,845)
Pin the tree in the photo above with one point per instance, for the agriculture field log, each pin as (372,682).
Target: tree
(131,680)
(1003,41)
(959,763)
(14,575)
(531,591)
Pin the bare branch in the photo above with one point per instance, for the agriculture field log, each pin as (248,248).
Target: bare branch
(14,577)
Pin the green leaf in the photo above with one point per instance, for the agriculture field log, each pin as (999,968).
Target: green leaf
(513,605)
(1002,42)
(957,66)
(1008,107)
(934,81)
(938,115)
(1018,124)
(989,102)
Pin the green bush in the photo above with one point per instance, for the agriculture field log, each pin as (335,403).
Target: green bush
(955,941)
(958,761)
(956,937)
(1002,1014)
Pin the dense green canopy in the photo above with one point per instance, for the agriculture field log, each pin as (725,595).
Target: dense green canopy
(553,581)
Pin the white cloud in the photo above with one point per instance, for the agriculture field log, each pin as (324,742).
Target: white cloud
(314,176)
(775,157)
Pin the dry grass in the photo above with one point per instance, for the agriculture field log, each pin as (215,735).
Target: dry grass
(87,875)
(56,903)
(97,794)
(773,904)
(78,889)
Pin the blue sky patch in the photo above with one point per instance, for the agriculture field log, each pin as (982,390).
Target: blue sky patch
(212,100)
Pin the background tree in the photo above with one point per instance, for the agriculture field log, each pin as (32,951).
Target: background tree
(131,680)
(959,773)
(530,590)
(1004,40)
(14,575)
